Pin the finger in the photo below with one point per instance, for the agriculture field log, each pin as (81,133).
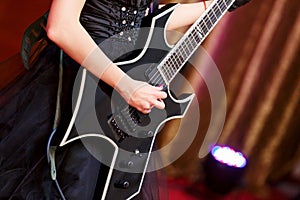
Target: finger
(159,104)
(147,106)
(146,111)
(161,95)
(158,88)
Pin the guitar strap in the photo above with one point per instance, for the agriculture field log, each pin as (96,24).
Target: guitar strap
(34,41)
(52,148)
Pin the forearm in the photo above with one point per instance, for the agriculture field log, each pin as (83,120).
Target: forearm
(186,14)
(65,30)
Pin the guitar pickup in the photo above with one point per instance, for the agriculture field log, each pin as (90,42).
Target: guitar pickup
(153,72)
(118,133)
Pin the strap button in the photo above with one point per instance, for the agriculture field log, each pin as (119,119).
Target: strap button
(122,184)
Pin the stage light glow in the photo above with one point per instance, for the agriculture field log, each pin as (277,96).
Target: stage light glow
(224,168)
(229,156)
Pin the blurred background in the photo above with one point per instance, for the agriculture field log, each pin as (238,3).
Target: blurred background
(257,51)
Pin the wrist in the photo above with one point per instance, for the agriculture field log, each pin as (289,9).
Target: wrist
(121,82)
(127,86)
(113,75)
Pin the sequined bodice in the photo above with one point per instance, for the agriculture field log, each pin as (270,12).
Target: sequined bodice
(105,18)
(113,19)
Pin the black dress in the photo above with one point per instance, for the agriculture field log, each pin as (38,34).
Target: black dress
(28,107)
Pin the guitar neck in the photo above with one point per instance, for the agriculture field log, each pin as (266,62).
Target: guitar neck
(192,39)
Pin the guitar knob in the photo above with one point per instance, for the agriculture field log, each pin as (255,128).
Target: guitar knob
(150,134)
(127,164)
(130,164)
(122,184)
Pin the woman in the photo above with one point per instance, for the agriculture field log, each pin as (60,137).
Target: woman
(76,27)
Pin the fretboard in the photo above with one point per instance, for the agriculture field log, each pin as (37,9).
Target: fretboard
(192,39)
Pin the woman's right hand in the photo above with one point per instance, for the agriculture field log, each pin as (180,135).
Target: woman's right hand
(141,95)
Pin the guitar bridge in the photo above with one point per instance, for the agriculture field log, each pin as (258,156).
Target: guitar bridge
(123,124)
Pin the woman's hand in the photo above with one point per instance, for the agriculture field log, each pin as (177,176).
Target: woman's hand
(147,97)
(141,95)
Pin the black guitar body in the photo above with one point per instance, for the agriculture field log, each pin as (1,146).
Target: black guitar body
(116,134)
(133,132)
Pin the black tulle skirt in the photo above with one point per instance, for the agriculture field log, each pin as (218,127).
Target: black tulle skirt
(27,109)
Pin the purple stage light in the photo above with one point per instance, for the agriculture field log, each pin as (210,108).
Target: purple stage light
(224,168)
(229,156)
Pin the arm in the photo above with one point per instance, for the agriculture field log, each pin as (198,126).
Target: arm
(65,30)
(186,14)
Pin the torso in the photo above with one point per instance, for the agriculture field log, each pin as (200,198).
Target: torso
(106,18)
(118,20)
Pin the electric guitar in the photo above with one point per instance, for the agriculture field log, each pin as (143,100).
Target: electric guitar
(121,137)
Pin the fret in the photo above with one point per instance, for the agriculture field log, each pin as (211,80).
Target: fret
(176,61)
(208,22)
(168,68)
(212,16)
(197,37)
(228,3)
(218,10)
(213,10)
(203,25)
(188,47)
(182,55)
(171,64)
(184,52)
(193,38)
(168,71)
(199,31)
(164,72)
(174,64)
(193,41)
(223,5)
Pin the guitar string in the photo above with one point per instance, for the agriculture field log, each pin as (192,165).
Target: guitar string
(169,68)
(171,65)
